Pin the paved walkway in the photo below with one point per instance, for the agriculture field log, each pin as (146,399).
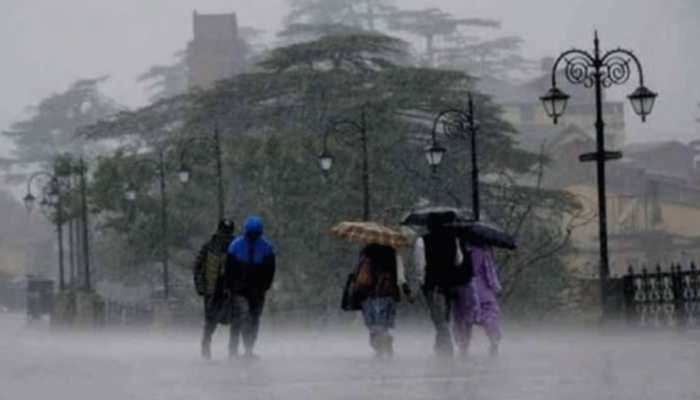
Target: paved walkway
(35,364)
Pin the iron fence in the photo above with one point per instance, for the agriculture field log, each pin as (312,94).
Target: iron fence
(662,298)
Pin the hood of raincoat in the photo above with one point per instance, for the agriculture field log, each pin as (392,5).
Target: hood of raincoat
(252,247)
(253,225)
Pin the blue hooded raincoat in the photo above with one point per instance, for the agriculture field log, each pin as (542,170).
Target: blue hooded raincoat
(250,266)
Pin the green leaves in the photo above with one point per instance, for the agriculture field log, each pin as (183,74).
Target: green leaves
(54,121)
(358,52)
(272,123)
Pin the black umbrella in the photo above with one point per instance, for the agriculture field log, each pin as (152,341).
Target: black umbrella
(482,233)
(443,215)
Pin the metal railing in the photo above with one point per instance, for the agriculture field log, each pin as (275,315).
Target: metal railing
(662,298)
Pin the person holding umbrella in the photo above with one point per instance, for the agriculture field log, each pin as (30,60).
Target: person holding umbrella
(476,302)
(378,280)
(437,259)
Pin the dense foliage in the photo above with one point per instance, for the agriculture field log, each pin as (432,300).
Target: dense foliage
(273,121)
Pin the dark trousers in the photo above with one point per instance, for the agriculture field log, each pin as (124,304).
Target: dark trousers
(212,318)
(440,304)
(216,311)
(245,320)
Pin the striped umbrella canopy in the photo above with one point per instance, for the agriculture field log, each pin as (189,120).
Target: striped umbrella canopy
(371,233)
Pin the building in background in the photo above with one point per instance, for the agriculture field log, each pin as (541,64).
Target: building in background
(216,51)
(653,192)
(522,108)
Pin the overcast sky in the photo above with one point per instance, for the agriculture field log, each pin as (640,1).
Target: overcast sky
(47,44)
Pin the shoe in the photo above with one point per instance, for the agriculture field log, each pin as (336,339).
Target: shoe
(206,352)
(463,355)
(389,347)
(250,356)
(493,350)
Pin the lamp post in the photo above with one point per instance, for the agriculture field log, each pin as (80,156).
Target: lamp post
(185,172)
(599,70)
(455,123)
(53,200)
(84,214)
(326,159)
(131,195)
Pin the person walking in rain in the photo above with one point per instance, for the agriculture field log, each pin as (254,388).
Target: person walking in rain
(437,256)
(208,274)
(380,273)
(477,302)
(250,270)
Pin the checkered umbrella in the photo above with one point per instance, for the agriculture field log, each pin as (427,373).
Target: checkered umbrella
(371,233)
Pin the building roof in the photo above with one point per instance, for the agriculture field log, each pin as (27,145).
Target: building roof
(645,147)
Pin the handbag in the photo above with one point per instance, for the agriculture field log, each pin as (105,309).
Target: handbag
(357,286)
(346,303)
(363,283)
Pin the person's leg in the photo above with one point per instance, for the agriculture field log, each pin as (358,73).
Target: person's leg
(438,305)
(370,317)
(389,323)
(386,315)
(491,321)
(251,324)
(238,315)
(463,317)
(209,328)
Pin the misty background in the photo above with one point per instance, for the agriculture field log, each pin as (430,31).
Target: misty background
(49,44)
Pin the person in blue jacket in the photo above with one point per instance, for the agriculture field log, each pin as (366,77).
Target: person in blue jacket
(250,270)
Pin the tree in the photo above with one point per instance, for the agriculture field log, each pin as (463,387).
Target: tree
(496,58)
(51,127)
(166,80)
(432,23)
(358,14)
(271,121)
(26,242)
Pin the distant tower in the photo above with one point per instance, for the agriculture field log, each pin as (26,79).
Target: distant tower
(216,52)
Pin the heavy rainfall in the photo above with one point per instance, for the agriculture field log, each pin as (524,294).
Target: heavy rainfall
(350,199)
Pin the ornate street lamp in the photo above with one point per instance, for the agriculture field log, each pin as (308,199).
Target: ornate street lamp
(554,103)
(325,159)
(599,71)
(29,202)
(52,199)
(434,154)
(130,194)
(456,123)
(184,174)
(642,101)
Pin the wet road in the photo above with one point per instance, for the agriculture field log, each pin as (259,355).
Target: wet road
(35,364)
